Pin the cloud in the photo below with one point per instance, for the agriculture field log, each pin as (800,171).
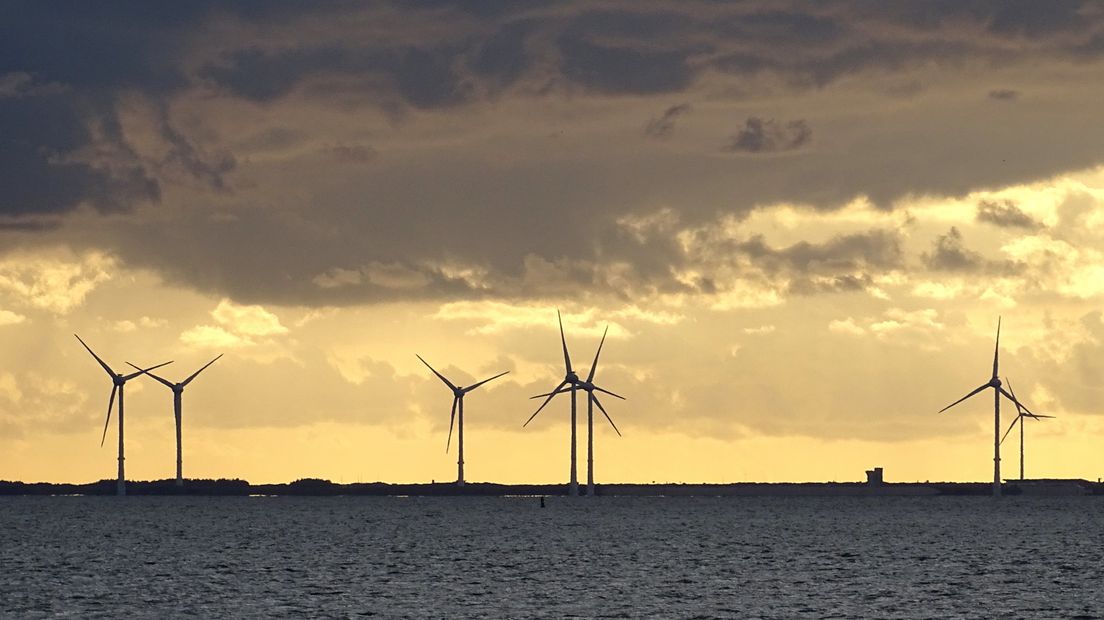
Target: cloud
(251,320)
(206,149)
(492,317)
(661,128)
(897,326)
(720,258)
(950,254)
(212,337)
(55,281)
(846,326)
(769,136)
(1004,94)
(145,322)
(1004,214)
(30,401)
(351,153)
(7,317)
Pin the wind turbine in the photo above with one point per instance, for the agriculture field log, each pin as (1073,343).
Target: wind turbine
(118,382)
(590,388)
(571,381)
(458,393)
(1021,413)
(995,383)
(178,392)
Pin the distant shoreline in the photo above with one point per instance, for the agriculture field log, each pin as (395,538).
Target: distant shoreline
(316,487)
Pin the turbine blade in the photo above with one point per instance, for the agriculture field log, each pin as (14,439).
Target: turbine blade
(145,370)
(996,349)
(1013,399)
(102,363)
(1019,407)
(196,373)
(110,404)
(563,391)
(439,375)
(166,382)
(1011,426)
(603,410)
(452,418)
(563,340)
(550,397)
(472,387)
(1039,416)
(594,366)
(964,398)
(604,391)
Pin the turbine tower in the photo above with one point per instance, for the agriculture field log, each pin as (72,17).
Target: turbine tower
(178,393)
(458,393)
(118,381)
(590,388)
(1021,413)
(995,383)
(571,382)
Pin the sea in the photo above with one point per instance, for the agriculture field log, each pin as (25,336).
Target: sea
(508,557)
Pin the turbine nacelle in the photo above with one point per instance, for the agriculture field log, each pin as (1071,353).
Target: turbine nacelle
(995,382)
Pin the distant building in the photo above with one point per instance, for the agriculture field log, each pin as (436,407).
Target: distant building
(874,476)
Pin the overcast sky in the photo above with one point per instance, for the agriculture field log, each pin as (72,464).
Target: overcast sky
(800,222)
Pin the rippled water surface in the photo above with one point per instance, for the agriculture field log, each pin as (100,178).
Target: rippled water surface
(873,557)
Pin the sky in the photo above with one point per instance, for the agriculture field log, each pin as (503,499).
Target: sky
(799,221)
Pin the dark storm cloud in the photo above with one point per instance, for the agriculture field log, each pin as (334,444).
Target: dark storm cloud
(211,169)
(843,263)
(616,69)
(1005,214)
(78,60)
(662,127)
(1004,94)
(29,224)
(949,253)
(420,77)
(40,135)
(769,136)
(351,153)
(877,250)
(276,67)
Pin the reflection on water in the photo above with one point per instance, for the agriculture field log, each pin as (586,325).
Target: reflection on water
(507,557)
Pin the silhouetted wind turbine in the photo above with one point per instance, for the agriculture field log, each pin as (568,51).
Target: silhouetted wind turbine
(590,388)
(118,381)
(1021,413)
(458,393)
(178,392)
(571,381)
(995,383)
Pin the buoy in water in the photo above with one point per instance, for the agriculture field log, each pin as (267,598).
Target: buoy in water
(542,502)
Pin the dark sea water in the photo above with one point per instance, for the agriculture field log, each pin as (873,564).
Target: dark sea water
(878,557)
